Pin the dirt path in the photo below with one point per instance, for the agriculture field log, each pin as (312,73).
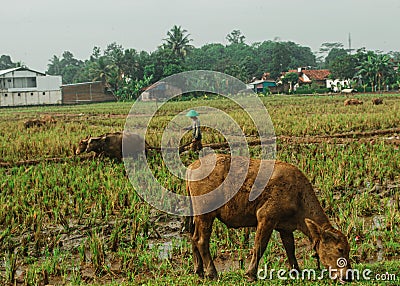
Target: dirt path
(38,161)
(363,134)
(395,140)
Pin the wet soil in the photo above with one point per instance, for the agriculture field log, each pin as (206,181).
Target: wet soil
(166,231)
(165,234)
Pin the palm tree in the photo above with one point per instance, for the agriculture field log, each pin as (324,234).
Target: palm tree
(178,42)
(368,69)
(384,68)
(54,67)
(102,69)
(375,69)
(235,37)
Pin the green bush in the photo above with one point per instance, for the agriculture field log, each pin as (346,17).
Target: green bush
(266,91)
(322,90)
(305,89)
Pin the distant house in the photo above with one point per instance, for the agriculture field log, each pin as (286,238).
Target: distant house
(159,91)
(23,86)
(262,85)
(86,92)
(307,76)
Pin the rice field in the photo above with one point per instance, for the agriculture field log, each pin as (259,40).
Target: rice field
(77,220)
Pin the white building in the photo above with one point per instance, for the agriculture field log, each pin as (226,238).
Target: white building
(337,84)
(23,86)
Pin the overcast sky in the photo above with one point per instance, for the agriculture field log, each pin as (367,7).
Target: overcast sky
(34,31)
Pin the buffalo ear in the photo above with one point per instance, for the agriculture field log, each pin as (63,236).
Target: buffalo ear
(329,235)
(93,139)
(315,230)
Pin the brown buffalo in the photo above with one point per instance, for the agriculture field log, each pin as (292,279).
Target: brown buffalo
(286,204)
(39,122)
(110,145)
(352,101)
(377,101)
(82,145)
(34,123)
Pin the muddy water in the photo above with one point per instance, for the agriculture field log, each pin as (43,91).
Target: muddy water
(170,236)
(376,223)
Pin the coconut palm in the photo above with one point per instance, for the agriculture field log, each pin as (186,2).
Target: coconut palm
(178,41)
(54,67)
(235,37)
(102,69)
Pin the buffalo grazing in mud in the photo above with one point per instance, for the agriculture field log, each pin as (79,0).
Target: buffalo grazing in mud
(34,123)
(110,145)
(352,101)
(377,101)
(39,122)
(287,203)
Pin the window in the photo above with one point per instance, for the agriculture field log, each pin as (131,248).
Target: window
(19,94)
(30,82)
(43,93)
(6,95)
(31,93)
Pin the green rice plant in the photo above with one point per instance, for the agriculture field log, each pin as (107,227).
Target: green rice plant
(115,238)
(54,263)
(33,276)
(97,253)
(76,277)
(10,265)
(82,252)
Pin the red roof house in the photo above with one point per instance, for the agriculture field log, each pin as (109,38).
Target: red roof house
(312,76)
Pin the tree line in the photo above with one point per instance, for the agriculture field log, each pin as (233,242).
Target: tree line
(127,71)
(373,69)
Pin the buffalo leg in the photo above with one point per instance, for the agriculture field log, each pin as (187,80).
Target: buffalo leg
(201,241)
(263,234)
(288,242)
(197,260)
